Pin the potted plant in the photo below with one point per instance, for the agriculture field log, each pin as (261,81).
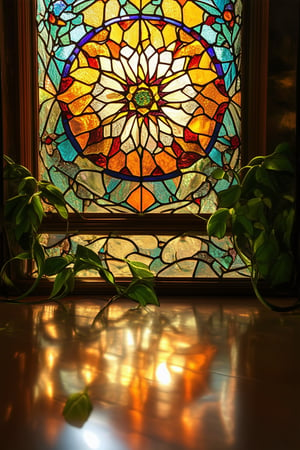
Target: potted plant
(24,211)
(258,209)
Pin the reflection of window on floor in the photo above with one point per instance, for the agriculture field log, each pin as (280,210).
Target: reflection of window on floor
(138,103)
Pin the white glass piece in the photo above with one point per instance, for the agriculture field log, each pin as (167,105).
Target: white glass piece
(190,91)
(134,62)
(126,51)
(144,135)
(177,115)
(110,110)
(143,63)
(153,129)
(164,127)
(118,69)
(190,106)
(178,83)
(176,97)
(178,64)
(118,126)
(153,64)
(111,83)
(149,51)
(162,70)
(105,64)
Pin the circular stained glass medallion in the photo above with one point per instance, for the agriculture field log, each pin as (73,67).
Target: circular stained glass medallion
(143,109)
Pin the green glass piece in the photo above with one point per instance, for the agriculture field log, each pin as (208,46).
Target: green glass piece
(143,97)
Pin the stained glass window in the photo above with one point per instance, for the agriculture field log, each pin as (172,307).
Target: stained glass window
(139,101)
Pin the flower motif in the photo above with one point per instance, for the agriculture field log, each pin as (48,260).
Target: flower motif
(140,112)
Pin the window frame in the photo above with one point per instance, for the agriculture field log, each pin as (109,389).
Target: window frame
(20,109)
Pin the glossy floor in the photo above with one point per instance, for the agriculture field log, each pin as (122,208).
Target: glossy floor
(190,375)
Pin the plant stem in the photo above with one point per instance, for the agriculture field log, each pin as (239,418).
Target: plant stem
(109,302)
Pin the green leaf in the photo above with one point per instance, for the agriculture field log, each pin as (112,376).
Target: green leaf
(139,269)
(107,275)
(265,254)
(54,196)
(27,186)
(259,240)
(290,220)
(278,162)
(13,170)
(255,207)
(264,177)
(229,197)
(242,221)
(21,257)
(13,206)
(38,207)
(39,256)
(142,293)
(63,284)
(77,409)
(218,173)
(86,254)
(55,264)
(282,269)
(217,223)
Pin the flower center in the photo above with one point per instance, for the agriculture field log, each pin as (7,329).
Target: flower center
(143,97)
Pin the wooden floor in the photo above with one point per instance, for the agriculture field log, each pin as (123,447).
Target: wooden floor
(193,374)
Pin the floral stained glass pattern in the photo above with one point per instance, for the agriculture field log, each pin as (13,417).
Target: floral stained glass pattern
(139,101)
(187,256)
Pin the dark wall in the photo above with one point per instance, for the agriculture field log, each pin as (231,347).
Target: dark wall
(283,49)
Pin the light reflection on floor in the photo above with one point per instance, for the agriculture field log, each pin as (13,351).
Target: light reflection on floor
(186,376)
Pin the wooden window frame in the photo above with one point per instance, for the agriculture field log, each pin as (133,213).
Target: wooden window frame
(20,112)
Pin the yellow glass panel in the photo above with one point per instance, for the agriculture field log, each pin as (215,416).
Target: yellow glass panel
(192,14)
(131,36)
(169,34)
(76,90)
(195,48)
(116,33)
(205,62)
(185,37)
(117,162)
(84,123)
(144,3)
(94,14)
(155,36)
(202,124)
(202,76)
(79,105)
(112,9)
(148,163)
(49,85)
(237,98)
(44,95)
(171,8)
(190,146)
(82,60)
(86,75)
(82,139)
(101,36)
(165,161)
(95,49)
(102,147)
